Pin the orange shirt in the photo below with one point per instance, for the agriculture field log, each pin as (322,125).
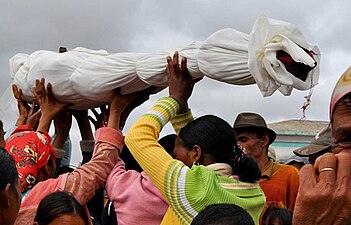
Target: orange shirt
(280,183)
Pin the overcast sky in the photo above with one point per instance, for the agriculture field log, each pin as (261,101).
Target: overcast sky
(150,25)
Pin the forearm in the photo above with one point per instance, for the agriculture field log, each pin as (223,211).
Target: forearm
(44,124)
(85,128)
(181,120)
(21,120)
(143,136)
(88,178)
(60,139)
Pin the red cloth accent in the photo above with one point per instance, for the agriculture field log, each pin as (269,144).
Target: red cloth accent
(31,150)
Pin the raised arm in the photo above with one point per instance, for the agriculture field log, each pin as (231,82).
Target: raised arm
(142,137)
(85,180)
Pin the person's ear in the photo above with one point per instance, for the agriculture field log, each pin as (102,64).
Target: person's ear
(5,195)
(197,153)
(264,140)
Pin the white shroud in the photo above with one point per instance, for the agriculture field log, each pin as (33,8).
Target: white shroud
(87,77)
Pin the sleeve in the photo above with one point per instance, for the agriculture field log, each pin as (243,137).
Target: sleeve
(120,179)
(142,140)
(85,180)
(181,120)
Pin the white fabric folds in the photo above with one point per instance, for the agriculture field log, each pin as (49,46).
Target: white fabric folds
(87,77)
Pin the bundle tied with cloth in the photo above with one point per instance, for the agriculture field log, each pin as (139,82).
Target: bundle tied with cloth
(275,56)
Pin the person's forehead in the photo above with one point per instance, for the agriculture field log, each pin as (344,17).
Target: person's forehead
(249,134)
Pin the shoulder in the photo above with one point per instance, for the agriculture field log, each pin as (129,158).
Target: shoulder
(42,189)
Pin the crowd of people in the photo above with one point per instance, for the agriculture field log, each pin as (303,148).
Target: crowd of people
(208,172)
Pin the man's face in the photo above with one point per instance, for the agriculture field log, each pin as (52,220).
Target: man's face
(341,125)
(252,143)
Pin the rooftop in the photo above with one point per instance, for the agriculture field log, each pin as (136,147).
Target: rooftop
(298,127)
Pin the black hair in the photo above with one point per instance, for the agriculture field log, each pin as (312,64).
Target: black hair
(245,167)
(284,215)
(57,204)
(1,125)
(223,214)
(167,142)
(218,139)
(8,174)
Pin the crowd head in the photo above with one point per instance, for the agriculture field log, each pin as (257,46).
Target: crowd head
(34,156)
(60,208)
(223,214)
(253,134)
(10,195)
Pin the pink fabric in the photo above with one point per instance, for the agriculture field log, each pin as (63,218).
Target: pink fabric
(134,196)
(83,181)
(342,87)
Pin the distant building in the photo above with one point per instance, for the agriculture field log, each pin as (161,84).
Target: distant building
(293,134)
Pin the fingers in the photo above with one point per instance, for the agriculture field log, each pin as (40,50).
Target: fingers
(17,93)
(308,178)
(175,60)
(326,167)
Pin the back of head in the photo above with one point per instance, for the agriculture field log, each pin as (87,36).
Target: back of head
(58,204)
(167,142)
(245,167)
(223,214)
(283,215)
(9,174)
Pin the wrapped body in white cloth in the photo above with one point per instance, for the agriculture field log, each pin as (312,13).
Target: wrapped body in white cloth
(87,78)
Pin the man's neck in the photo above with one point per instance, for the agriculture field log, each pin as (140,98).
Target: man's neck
(262,161)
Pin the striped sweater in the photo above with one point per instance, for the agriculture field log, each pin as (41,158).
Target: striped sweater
(187,190)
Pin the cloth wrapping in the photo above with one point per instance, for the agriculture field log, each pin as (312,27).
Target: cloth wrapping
(87,77)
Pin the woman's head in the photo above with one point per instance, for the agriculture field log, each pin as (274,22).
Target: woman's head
(206,140)
(10,195)
(33,154)
(277,216)
(60,208)
(209,139)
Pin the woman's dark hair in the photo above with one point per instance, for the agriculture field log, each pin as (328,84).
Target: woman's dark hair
(217,138)
(57,204)
(284,215)
(245,167)
(8,174)
(223,214)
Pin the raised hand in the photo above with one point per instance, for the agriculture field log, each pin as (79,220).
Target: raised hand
(49,106)
(180,82)
(122,105)
(101,118)
(23,107)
